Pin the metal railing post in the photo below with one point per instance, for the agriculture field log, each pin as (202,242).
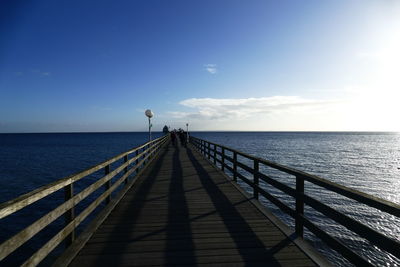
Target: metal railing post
(223,159)
(209,150)
(69,214)
(234,166)
(256,180)
(215,154)
(299,205)
(107,185)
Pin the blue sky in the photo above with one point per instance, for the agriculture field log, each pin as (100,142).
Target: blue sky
(219,65)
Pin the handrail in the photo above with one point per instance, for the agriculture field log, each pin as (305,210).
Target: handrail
(217,154)
(20,202)
(143,154)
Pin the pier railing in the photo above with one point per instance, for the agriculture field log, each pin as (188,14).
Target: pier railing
(218,154)
(133,160)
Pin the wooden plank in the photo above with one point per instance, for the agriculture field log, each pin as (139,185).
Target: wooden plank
(256,179)
(299,206)
(245,167)
(244,179)
(367,199)
(212,252)
(340,247)
(162,245)
(178,213)
(175,259)
(18,203)
(269,237)
(375,237)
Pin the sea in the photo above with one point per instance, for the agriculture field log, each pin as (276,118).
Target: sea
(365,161)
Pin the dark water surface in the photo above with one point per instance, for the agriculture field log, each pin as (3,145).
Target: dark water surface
(369,162)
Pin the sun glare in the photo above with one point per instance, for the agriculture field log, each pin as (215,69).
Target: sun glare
(378,97)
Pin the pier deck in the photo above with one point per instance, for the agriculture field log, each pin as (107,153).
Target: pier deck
(183,211)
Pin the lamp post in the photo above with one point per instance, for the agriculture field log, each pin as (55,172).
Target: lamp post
(187,132)
(149,115)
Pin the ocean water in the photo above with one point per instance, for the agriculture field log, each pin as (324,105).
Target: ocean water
(369,162)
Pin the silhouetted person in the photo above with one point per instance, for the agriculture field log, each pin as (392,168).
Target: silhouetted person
(173,138)
(182,138)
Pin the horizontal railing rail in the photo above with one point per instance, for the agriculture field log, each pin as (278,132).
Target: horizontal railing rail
(217,154)
(139,157)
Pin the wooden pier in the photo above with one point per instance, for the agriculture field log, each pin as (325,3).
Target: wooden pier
(169,205)
(183,211)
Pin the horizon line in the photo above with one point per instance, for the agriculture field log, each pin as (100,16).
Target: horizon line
(212,131)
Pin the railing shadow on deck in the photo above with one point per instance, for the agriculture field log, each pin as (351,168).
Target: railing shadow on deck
(177,224)
(179,240)
(234,221)
(133,161)
(178,213)
(217,155)
(130,214)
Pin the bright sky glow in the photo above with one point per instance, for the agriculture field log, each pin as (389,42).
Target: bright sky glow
(218,65)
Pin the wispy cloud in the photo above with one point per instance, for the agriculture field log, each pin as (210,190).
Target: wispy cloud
(39,72)
(226,109)
(211,68)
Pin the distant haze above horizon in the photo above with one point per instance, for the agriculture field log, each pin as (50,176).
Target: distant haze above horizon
(229,65)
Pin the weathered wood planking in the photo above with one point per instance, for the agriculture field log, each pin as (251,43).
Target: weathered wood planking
(183,211)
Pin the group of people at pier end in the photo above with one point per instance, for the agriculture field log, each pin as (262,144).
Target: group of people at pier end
(179,134)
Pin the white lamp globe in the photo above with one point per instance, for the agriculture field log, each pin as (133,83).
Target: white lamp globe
(149,113)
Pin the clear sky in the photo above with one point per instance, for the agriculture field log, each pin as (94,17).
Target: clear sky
(70,66)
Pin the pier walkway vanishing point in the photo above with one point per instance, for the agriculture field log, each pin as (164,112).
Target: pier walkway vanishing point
(169,205)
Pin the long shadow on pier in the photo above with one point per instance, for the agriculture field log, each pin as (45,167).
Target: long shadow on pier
(130,215)
(178,219)
(183,212)
(234,221)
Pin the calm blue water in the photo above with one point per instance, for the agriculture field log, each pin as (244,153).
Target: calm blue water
(369,162)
